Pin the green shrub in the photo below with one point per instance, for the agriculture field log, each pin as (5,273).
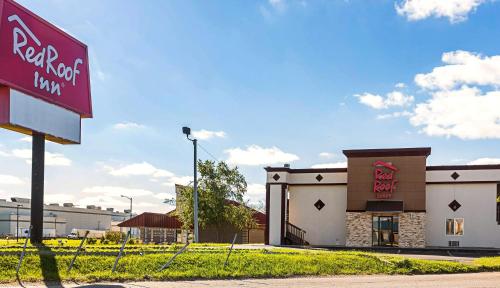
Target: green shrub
(115,236)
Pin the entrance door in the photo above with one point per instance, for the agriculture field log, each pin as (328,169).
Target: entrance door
(385,230)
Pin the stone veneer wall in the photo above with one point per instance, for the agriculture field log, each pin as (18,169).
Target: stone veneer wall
(358,229)
(412,229)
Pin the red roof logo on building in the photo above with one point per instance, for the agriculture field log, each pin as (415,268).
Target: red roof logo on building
(384,182)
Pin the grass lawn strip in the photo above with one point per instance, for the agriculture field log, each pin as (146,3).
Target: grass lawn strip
(201,263)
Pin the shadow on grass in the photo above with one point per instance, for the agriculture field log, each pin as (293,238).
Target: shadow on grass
(48,264)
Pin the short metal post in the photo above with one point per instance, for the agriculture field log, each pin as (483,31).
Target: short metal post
(121,251)
(78,251)
(24,251)
(230,250)
(173,258)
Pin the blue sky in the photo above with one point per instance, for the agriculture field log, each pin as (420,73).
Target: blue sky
(264,83)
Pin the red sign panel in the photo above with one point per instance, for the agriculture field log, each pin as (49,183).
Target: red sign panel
(41,60)
(384,182)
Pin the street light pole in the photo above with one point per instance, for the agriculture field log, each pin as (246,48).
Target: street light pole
(187,131)
(17,222)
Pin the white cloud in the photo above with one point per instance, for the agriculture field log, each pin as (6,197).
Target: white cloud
(464,96)
(465,113)
(128,126)
(51,159)
(206,134)
(327,155)
(454,10)
(113,191)
(181,180)
(457,106)
(256,190)
(462,67)
(331,165)
(139,169)
(10,180)
(27,139)
(255,155)
(278,5)
(394,115)
(400,85)
(255,193)
(58,198)
(391,99)
(484,161)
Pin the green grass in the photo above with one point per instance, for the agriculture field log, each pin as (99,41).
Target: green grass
(206,262)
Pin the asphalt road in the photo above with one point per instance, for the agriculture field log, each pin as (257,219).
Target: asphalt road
(476,280)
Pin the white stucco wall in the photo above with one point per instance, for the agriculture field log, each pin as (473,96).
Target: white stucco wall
(323,227)
(465,175)
(478,210)
(300,178)
(275,214)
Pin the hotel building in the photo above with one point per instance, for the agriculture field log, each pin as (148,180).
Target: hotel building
(385,197)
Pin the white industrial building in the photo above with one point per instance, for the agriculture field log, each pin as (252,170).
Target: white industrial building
(58,220)
(385,197)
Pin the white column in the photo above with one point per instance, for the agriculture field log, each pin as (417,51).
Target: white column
(275,214)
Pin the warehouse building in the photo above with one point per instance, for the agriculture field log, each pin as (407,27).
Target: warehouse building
(385,197)
(58,220)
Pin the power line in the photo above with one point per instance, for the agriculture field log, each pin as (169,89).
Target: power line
(206,151)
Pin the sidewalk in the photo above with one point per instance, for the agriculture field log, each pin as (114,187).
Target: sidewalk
(476,280)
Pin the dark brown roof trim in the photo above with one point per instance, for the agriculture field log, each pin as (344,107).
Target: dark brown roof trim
(306,170)
(464,182)
(316,184)
(420,151)
(464,167)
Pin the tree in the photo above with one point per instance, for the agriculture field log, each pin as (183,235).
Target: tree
(220,198)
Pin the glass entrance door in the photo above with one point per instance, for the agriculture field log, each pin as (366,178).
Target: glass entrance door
(385,230)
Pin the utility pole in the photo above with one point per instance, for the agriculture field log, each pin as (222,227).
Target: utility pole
(187,132)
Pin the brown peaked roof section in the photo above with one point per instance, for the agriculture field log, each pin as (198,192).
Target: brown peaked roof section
(157,220)
(152,220)
(258,216)
(420,151)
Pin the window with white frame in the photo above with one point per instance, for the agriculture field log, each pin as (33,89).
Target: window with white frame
(455,226)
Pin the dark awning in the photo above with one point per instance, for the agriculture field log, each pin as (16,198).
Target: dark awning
(384,206)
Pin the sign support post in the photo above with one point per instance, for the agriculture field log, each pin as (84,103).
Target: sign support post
(37,185)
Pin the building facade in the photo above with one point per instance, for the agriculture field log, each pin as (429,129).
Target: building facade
(58,219)
(385,197)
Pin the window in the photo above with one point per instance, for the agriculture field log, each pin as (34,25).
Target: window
(455,227)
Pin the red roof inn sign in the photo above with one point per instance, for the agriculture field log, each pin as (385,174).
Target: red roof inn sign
(43,72)
(384,182)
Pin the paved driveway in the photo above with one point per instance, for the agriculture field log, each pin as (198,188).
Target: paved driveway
(476,280)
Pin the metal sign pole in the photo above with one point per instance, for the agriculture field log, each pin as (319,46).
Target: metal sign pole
(175,256)
(230,250)
(195,191)
(37,180)
(24,251)
(121,251)
(78,251)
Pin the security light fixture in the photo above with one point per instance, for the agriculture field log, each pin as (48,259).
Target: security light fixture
(186,130)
